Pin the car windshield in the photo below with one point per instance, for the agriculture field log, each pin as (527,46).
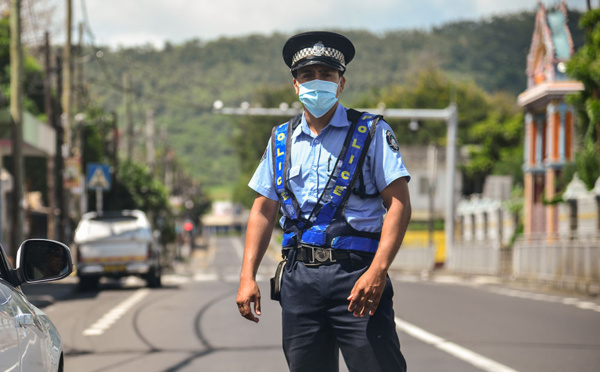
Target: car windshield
(107,226)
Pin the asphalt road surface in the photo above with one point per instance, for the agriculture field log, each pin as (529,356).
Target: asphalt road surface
(445,323)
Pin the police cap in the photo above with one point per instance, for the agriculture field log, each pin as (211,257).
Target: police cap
(318,48)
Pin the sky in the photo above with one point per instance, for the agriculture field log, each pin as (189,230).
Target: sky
(138,22)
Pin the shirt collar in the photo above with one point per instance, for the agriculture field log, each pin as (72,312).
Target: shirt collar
(339,119)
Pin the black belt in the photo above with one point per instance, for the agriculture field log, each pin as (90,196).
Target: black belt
(317,255)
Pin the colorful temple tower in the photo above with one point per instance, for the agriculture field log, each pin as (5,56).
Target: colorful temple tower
(549,121)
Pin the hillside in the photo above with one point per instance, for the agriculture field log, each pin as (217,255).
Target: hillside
(181,82)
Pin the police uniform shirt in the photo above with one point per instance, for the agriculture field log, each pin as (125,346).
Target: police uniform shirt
(313,159)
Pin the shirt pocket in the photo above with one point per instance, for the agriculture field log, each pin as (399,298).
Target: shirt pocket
(295,178)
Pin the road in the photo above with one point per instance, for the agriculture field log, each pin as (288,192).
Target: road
(445,323)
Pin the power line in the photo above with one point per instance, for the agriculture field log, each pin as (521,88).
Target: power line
(86,21)
(115,83)
(111,81)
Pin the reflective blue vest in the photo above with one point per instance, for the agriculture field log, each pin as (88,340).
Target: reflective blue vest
(326,226)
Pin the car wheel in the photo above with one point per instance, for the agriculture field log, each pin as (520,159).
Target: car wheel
(153,279)
(88,283)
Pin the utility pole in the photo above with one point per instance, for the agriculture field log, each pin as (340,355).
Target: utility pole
(431,185)
(66,119)
(77,86)
(50,121)
(67,75)
(128,115)
(79,91)
(16,112)
(59,160)
(79,148)
(114,191)
(150,140)
(166,174)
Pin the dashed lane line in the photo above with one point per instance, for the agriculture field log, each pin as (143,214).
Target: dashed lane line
(239,248)
(115,314)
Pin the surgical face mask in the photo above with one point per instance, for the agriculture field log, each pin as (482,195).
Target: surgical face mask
(318,96)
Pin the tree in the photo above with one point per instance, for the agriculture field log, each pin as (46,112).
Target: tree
(497,143)
(490,125)
(33,101)
(585,67)
(137,189)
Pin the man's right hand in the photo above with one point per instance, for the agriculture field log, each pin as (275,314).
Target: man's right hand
(248,298)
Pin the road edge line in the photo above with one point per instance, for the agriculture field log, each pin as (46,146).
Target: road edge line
(451,348)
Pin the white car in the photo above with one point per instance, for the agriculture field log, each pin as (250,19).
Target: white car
(29,341)
(116,244)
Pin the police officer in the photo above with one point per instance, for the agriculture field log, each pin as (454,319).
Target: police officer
(339,180)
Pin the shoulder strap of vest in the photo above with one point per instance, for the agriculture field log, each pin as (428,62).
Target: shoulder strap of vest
(337,190)
(281,138)
(296,120)
(361,190)
(353,117)
(358,176)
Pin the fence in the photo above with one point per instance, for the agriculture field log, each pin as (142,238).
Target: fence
(571,263)
(414,259)
(476,257)
(484,226)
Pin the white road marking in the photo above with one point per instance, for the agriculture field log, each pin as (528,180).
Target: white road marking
(205,277)
(584,305)
(115,314)
(239,248)
(174,279)
(483,284)
(453,349)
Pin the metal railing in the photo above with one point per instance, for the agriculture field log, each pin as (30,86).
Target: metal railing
(573,262)
(414,259)
(475,257)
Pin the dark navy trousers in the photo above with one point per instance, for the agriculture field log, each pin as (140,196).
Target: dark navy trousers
(317,323)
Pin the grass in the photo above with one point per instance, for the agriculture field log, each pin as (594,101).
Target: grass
(220,192)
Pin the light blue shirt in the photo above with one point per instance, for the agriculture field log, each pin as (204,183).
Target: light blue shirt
(313,159)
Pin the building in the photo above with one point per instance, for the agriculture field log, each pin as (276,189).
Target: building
(39,141)
(549,120)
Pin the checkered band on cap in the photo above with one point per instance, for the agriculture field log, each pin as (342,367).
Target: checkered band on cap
(319,50)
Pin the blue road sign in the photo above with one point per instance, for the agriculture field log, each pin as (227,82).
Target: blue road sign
(98,176)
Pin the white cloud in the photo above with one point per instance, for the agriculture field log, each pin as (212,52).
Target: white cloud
(127,22)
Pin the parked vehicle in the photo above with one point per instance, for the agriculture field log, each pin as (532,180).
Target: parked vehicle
(29,341)
(116,244)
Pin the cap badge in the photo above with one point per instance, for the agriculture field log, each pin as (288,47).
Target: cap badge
(318,49)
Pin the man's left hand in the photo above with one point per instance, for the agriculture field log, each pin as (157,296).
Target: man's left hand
(366,294)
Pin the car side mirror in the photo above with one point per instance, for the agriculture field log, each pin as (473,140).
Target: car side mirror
(41,260)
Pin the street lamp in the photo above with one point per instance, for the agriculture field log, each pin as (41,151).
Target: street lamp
(449,115)
(413,125)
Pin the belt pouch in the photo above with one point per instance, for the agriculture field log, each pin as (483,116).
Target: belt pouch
(276,282)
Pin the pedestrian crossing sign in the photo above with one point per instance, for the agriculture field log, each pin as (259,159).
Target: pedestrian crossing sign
(98,176)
